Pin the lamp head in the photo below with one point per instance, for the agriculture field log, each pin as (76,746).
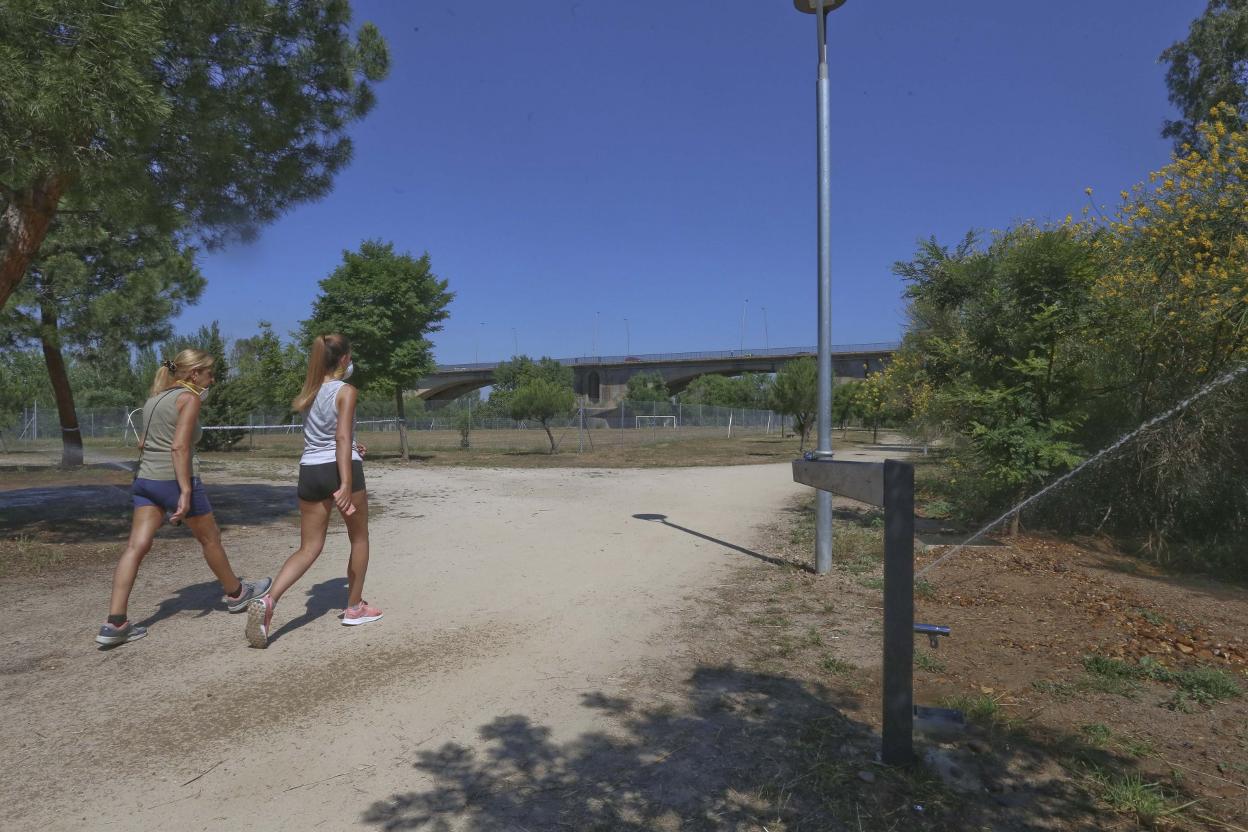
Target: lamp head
(812,6)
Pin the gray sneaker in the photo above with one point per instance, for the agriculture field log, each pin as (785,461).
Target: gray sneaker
(110,636)
(251,590)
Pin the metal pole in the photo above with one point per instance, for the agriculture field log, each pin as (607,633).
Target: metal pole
(898,739)
(823,448)
(766,336)
(744,305)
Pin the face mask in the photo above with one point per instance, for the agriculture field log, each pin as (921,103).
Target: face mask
(202,392)
(346,374)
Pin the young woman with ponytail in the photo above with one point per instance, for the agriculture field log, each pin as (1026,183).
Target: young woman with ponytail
(167,480)
(331,475)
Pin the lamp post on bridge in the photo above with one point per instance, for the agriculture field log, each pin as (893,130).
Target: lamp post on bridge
(745,304)
(823,448)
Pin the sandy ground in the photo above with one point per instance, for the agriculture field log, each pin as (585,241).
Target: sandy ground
(506,593)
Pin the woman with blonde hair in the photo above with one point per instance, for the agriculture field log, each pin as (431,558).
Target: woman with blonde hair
(331,475)
(167,480)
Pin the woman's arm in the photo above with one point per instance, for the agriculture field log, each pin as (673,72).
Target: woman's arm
(345,403)
(183,438)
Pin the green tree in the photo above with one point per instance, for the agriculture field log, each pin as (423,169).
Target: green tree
(511,375)
(270,372)
(99,292)
(219,116)
(647,387)
(1207,68)
(749,390)
(1001,335)
(845,406)
(387,304)
(795,393)
(871,399)
(541,399)
(23,382)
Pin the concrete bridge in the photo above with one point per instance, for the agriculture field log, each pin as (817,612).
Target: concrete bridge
(603,380)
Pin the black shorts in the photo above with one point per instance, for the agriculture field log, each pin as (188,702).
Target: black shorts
(319,482)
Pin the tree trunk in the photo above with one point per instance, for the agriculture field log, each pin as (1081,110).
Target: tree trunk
(25,223)
(398,403)
(71,436)
(549,436)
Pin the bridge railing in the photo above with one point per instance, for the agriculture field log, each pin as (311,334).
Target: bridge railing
(706,355)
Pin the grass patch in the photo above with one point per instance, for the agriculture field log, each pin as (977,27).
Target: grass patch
(1130,794)
(860,566)
(813,639)
(980,708)
(1151,617)
(924,589)
(1208,684)
(872,583)
(1137,746)
(1058,690)
(927,661)
(26,554)
(1201,685)
(836,667)
(1096,734)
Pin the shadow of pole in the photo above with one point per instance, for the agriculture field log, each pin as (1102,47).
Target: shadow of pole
(662,518)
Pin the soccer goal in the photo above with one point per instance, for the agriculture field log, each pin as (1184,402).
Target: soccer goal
(656,421)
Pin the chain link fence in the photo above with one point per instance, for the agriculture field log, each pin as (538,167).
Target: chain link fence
(581,429)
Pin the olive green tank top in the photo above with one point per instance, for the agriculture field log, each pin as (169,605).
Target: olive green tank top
(160,420)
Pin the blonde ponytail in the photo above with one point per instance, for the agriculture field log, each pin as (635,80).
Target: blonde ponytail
(171,372)
(326,352)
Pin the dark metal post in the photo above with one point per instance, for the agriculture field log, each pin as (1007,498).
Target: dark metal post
(898,613)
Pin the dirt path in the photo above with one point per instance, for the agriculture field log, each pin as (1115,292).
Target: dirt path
(506,593)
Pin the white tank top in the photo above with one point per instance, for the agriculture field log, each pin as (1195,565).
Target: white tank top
(320,424)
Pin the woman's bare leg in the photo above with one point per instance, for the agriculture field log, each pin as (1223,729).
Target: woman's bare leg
(357,533)
(204,527)
(147,519)
(313,523)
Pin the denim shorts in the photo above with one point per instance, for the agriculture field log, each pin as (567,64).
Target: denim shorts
(163,494)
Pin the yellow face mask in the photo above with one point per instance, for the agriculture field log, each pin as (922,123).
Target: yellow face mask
(202,392)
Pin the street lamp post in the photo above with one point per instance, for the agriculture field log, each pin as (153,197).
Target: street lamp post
(628,339)
(766,336)
(823,448)
(745,304)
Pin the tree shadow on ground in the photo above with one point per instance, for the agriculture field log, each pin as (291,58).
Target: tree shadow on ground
(323,598)
(745,750)
(100,513)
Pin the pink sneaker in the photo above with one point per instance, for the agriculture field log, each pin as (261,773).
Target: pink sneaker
(259,619)
(361,613)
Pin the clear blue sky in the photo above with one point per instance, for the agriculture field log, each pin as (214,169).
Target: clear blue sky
(654,160)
